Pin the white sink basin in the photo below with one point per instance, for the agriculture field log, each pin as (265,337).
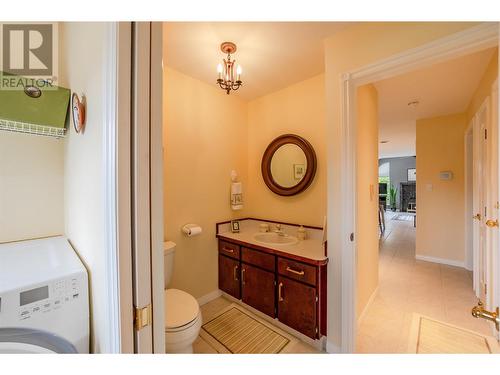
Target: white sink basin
(275,239)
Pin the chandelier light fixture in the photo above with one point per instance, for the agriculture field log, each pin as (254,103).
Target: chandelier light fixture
(226,78)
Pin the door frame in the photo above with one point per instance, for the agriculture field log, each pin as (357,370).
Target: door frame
(468,197)
(118,189)
(495,256)
(456,45)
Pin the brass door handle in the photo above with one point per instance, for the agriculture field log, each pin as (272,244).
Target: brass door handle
(300,273)
(243,276)
(477,217)
(235,273)
(228,250)
(280,291)
(492,223)
(479,312)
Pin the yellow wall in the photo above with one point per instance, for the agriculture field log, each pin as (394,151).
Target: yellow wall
(297,109)
(31,186)
(82,56)
(367,194)
(484,88)
(441,207)
(357,46)
(440,146)
(205,137)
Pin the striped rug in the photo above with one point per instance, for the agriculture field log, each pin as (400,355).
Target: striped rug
(239,333)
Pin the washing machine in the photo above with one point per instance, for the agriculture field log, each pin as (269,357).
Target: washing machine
(44,298)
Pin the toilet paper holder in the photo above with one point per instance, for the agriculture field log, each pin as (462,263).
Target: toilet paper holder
(191,229)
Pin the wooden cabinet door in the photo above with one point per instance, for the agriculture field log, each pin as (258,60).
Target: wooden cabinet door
(229,276)
(297,306)
(258,289)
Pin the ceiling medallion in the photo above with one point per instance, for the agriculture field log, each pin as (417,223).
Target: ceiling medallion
(226,78)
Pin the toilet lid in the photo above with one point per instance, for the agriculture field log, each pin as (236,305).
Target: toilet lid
(181,308)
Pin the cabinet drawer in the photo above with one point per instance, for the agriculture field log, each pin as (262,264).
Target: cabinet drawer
(297,270)
(230,249)
(258,258)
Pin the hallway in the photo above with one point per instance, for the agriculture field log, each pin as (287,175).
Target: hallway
(408,286)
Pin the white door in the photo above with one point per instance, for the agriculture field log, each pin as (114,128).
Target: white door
(492,214)
(147,187)
(479,199)
(486,197)
(482,196)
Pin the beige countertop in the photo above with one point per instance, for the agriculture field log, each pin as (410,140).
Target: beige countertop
(312,248)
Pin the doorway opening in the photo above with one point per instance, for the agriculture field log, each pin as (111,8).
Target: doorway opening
(428,179)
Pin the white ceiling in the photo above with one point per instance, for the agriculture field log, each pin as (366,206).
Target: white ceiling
(273,55)
(441,89)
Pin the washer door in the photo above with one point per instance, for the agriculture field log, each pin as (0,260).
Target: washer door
(27,340)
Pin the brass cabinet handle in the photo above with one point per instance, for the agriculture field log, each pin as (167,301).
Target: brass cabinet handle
(477,217)
(300,273)
(492,223)
(243,276)
(235,273)
(228,250)
(280,291)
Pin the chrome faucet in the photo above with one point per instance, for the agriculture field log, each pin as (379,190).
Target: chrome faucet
(279,230)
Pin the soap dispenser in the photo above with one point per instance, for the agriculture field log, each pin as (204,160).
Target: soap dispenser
(301,233)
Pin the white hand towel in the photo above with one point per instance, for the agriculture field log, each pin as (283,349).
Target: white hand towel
(236,196)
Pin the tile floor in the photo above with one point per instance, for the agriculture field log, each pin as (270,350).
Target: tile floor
(213,308)
(407,285)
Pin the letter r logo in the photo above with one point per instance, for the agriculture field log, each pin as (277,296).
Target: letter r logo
(27,49)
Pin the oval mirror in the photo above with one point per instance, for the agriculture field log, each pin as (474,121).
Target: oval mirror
(288,165)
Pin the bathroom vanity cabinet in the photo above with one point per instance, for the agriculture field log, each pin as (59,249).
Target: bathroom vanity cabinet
(284,286)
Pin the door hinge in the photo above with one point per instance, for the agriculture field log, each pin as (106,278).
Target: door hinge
(485,133)
(142,317)
(351,237)
(316,330)
(317,299)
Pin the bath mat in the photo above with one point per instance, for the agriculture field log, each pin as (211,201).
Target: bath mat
(239,333)
(403,217)
(429,336)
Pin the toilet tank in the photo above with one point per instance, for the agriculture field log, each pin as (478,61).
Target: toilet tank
(168,261)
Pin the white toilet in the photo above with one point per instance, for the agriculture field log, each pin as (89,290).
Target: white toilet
(182,312)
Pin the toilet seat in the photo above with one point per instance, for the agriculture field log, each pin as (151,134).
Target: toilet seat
(181,310)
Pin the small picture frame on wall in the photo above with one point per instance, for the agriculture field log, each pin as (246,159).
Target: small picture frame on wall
(235,226)
(299,171)
(412,174)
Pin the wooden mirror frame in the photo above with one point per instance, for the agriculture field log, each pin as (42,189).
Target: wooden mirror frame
(266,164)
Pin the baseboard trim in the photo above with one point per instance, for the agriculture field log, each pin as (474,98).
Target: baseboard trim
(448,262)
(331,348)
(209,297)
(367,306)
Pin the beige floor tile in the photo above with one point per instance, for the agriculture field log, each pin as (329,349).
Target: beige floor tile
(408,286)
(200,346)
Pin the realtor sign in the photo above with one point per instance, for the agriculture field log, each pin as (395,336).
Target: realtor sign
(28,55)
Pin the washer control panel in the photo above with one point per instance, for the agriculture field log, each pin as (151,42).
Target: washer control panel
(47,298)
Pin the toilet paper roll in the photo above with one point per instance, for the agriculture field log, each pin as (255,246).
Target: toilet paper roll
(191,230)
